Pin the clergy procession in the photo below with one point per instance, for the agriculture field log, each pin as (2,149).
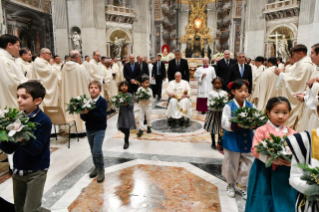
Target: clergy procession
(262,115)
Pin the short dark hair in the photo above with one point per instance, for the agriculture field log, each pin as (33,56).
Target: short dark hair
(316,46)
(6,39)
(95,82)
(279,59)
(55,56)
(103,57)
(24,51)
(95,52)
(272,60)
(300,48)
(218,78)
(238,83)
(122,83)
(144,78)
(260,59)
(66,57)
(275,101)
(86,56)
(34,88)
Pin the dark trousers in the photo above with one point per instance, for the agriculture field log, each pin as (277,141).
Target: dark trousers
(28,191)
(6,206)
(96,138)
(126,132)
(158,87)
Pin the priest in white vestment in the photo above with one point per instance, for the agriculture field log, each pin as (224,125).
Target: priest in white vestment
(11,74)
(43,71)
(75,82)
(204,76)
(290,67)
(280,65)
(57,66)
(86,63)
(24,62)
(117,72)
(179,105)
(110,87)
(97,70)
(257,71)
(294,82)
(309,119)
(266,85)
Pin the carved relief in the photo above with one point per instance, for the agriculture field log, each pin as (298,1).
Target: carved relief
(223,23)
(43,5)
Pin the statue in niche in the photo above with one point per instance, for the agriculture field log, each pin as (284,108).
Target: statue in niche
(76,41)
(283,47)
(118,45)
(189,51)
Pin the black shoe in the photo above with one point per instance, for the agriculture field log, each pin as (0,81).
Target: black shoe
(145,122)
(213,145)
(126,145)
(100,176)
(203,113)
(94,173)
(140,133)
(159,99)
(181,122)
(170,120)
(149,130)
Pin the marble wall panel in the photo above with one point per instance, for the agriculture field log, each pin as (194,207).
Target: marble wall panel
(254,43)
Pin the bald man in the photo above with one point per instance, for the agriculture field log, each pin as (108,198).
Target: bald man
(223,66)
(132,73)
(43,71)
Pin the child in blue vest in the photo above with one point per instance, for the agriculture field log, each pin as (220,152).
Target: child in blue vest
(237,142)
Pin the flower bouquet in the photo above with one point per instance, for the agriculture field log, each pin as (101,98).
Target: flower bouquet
(311,176)
(79,104)
(218,103)
(249,118)
(120,99)
(275,147)
(14,124)
(142,95)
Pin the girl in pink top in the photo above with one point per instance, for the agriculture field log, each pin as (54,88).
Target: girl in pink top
(268,188)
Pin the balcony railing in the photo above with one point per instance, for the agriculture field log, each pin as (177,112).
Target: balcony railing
(110,9)
(282,5)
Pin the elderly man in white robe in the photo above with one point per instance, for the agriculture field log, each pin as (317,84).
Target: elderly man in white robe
(24,62)
(43,71)
(294,82)
(110,87)
(204,76)
(179,106)
(75,82)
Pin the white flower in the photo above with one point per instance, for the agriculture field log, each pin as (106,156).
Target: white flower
(121,100)
(225,101)
(14,127)
(2,112)
(286,150)
(212,102)
(113,99)
(257,114)
(243,114)
(314,163)
(78,98)
(87,104)
(264,143)
(285,130)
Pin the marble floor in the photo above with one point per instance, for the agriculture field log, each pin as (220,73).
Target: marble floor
(166,170)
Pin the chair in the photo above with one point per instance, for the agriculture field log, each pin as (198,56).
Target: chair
(57,118)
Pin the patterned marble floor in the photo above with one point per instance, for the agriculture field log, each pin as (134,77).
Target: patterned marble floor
(162,171)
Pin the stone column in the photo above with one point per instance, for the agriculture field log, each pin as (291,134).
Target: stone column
(123,3)
(183,22)
(211,23)
(110,2)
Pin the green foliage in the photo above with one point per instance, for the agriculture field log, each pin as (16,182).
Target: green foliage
(14,124)
(142,95)
(218,103)
(120,99)
(275,147)
(79,104)
(249,118)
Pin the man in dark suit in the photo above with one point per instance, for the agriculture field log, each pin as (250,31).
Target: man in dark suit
(240,71)
(132,73)
(142,65)
(223,67)
(159,74)
(178,65)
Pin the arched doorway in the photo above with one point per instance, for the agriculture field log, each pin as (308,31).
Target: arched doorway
(27,40)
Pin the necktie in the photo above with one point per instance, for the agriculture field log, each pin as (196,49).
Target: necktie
(141,64)
(227,63)
(132,66)
(241,71)
(177,66)
(159,69)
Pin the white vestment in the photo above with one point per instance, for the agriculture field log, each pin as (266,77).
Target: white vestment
(179,107)
(26,67)
(118,71)
(204,84)
(43,71)
(281,66)
(110,84)
(86,65)
(295,82)
(265,88)
(256,74)
(11,78)
(150,69)
(97,73)
(75,82)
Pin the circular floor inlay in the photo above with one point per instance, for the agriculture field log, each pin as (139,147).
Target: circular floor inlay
(162,125)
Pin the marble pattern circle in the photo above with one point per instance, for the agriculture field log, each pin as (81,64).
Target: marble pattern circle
(163,126)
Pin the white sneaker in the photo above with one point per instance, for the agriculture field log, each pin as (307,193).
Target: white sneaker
(242,191)
(230,190)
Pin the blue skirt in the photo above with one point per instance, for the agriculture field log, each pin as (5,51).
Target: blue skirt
(269,190)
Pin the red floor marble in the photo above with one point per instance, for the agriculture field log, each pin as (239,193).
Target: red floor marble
(200,137)
(141,188)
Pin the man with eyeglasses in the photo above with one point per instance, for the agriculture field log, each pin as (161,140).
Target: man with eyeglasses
(43,71)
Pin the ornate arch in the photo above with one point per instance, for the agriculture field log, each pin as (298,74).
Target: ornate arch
(110,31)
(26,12)
(293,29)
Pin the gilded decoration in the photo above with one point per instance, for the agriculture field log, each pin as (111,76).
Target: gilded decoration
(197,30)
(43,6)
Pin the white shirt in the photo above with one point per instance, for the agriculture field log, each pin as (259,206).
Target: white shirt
(239,65)
(96,99)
